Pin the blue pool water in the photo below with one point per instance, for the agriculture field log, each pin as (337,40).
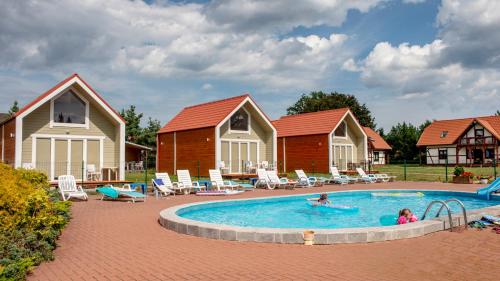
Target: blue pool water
(295,212)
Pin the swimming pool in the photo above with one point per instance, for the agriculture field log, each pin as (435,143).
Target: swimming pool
(295,212)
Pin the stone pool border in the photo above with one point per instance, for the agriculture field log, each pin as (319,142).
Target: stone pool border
(170,220)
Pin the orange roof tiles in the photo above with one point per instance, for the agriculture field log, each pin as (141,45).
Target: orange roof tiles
(377,141)
(203,115)
(433,134)
(321,122)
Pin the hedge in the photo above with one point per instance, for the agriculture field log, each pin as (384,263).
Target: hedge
(31,219)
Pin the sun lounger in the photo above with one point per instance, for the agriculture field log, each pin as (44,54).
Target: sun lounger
(68,188)
(113,193)
(175,186)
(337,178)
(185,182)
(263,180)
(219,183)
(280,182)
(305,181)
(160,188)
(363,177)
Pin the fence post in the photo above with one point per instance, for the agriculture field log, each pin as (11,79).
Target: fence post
(198,169)
(146,173)
(404,167)
(494,168)
(446,170)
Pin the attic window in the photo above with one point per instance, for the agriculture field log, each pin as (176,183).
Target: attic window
(341,130)
(444,134)
(240,121)
(69,109)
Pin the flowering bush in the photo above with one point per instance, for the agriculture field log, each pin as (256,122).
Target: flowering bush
(467,174)
(31,218)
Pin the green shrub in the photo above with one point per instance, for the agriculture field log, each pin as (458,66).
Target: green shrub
(31,219)
(459,170)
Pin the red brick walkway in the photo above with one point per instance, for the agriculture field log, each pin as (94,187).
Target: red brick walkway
(123,241)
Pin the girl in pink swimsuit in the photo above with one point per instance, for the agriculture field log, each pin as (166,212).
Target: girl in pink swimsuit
(406,216)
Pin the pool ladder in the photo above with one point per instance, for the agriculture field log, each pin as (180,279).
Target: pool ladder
(444,204)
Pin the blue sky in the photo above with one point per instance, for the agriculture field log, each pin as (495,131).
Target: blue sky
(408,60)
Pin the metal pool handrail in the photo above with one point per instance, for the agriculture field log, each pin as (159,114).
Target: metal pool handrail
(464,212)
(443,203)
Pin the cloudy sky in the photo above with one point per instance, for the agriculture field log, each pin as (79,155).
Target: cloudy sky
(408,60)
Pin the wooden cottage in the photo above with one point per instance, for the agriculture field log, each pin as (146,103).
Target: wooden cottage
(64,131)
(468,141)
(232,134)
(315,141)
(378,148)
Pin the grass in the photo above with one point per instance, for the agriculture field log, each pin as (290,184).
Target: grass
(414,172)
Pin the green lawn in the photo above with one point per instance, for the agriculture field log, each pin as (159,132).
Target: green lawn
(430,173)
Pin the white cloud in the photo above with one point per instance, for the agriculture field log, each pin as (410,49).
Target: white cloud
(460,66)
(413,1)
(207,86)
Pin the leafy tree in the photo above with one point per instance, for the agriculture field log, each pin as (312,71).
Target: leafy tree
(497,113)
(403,139)
(318,101)
(422,127)
(14,108)
(148,136)
(133,131)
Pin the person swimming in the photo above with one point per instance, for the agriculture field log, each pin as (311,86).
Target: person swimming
(322,200)
(406,216)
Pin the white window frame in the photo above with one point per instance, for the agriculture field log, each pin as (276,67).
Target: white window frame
(71,125)
(239,142)
(340,137)
(248,131)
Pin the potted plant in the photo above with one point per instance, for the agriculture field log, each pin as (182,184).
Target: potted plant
(461,176)
(484,179)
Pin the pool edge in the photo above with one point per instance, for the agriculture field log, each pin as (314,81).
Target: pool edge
(170,220)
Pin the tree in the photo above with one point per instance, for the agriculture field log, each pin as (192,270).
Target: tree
(133,130)
(318,101)
(14,108)
(148,136)
(497,113)
(403,139)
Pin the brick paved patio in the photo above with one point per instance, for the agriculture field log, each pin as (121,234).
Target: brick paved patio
(123,241)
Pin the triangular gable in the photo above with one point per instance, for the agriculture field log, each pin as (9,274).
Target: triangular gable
(59,88)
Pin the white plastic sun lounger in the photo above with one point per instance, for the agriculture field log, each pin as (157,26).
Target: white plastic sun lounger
(263,180)
(184,179)
(219,183)
(175,186)
(160,188)
(305,181)
(279,182)
(68,188)
(336,177)
(364,177)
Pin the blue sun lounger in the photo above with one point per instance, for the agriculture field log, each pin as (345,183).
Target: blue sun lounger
(113,193)
(485,192)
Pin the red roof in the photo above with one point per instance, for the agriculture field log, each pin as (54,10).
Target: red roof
(50,91)
(435,134)
(377,142)
(314,123)
(203,115)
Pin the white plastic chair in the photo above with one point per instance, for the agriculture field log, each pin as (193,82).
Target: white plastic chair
(68,188)
(223,168)
(263,180)
(279,182)
(305,181)
(92,173)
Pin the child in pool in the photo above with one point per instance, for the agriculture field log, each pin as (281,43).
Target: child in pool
(322,200)
(406,216)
